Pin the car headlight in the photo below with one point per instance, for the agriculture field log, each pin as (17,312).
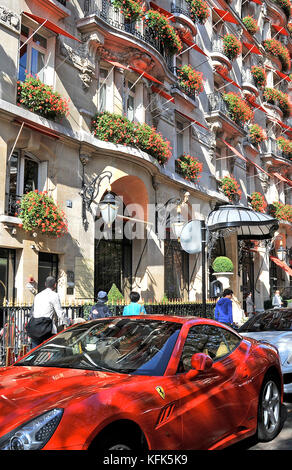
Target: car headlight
(34,434)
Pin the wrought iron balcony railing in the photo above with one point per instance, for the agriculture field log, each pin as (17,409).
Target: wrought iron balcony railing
(271,147)
(104,10)
(185,89)
(12,204)
(183,9)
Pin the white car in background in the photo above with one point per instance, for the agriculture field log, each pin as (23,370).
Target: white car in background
(275,327)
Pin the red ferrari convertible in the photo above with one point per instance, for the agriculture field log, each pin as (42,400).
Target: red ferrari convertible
(141,383)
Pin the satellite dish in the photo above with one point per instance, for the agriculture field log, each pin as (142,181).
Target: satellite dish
(191,237)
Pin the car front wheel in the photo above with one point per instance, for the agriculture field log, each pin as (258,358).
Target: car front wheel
(269,417)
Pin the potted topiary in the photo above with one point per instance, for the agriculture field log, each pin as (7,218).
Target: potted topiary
(223,270)
(114,295)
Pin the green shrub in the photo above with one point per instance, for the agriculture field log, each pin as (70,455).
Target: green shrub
(222,264)
(114,294)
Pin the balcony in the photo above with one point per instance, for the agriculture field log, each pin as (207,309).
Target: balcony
(217,55)
(248,82)
(273,155)
(108,22)
(182,14)
(275,12)
(217,110)
(186,92)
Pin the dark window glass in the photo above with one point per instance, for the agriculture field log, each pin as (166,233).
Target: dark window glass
(270,321)
(207,339)
(127,346)
(30,182)
(176,270)
(48,266)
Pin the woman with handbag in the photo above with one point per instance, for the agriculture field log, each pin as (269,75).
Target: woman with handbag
(46,304)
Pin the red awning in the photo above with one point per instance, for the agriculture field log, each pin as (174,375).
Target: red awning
(283,75)
(253,49)
(225,15)
(257,1)
(193,45)
(192,120)
(282,178)
(51,26)
(255,105)
(145,74)
(166,13)
(38,127)
(280,29)
(228,79)
(162,93)
(244,158)
(282,265)
(117,64)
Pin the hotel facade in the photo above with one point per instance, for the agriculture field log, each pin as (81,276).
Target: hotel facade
(206,78)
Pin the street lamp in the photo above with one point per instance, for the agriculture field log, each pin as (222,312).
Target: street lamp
(177,223)
(281,252)
(109,207)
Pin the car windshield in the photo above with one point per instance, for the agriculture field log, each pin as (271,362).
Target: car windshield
(130,346)
(274,320)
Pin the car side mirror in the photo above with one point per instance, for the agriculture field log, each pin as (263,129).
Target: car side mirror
(199,362)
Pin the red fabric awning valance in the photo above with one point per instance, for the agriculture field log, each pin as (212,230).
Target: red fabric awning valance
(228,79)
(257,1)
(161,10)
(192,120)
(282,265)
(145,74)
(282,178)
(253,49)
(244,158)
(162,93)
(225,15)
(255,105)
(194,46)
(283,75)
(49,25)
(280,29)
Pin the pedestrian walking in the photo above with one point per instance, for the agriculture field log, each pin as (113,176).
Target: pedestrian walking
(223,309)
(134,308)
(46,304)
(277,301)
(249,305)
(100,310)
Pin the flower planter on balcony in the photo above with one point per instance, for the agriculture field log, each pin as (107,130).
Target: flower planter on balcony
(218,56)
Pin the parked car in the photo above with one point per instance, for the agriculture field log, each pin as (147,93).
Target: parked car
(147,382)
(274,326)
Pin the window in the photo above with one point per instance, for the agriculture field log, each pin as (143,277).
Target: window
(102,86)
(25,173)
(33,54)
(7,275)
(129,100)
(211,340)
(48,266)
(179,139)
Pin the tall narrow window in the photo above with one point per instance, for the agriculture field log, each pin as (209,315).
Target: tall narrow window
(129,100)
(102,102)
(33,54)
(179,139)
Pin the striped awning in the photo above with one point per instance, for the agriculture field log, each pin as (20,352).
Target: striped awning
(248,224)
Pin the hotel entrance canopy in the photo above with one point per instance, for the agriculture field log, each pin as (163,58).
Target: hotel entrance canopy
(248,224)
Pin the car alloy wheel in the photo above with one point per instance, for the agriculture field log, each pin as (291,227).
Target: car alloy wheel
(120,447)
(269,411)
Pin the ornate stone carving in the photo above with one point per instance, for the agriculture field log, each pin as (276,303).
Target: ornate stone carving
(9,19)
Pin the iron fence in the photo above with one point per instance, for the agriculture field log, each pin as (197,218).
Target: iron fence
(14,341)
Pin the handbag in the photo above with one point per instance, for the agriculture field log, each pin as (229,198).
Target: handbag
(39,327)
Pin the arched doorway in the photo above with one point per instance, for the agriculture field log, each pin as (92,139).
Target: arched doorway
(114,250)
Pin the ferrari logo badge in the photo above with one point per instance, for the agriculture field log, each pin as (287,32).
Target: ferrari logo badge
(160,392)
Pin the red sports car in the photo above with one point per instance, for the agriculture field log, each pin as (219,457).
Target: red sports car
(141,383)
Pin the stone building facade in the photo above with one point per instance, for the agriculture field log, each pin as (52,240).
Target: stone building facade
(88,52)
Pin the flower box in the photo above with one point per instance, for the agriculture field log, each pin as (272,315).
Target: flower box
(277,49)
(119,130)
(281,211)
(132,10)
(257,134)
(199,10)
(238,109)
(250,24)
(41,99)
(259,76)
(278,98)
(231,46)
(159,24)
(190,79)
(189,167)
(230,187)
(38,212)
(258,202)
(285,145)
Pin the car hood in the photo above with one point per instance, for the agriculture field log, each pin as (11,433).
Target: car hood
(26,392)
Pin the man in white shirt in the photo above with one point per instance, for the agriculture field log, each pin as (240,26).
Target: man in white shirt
(46,304)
